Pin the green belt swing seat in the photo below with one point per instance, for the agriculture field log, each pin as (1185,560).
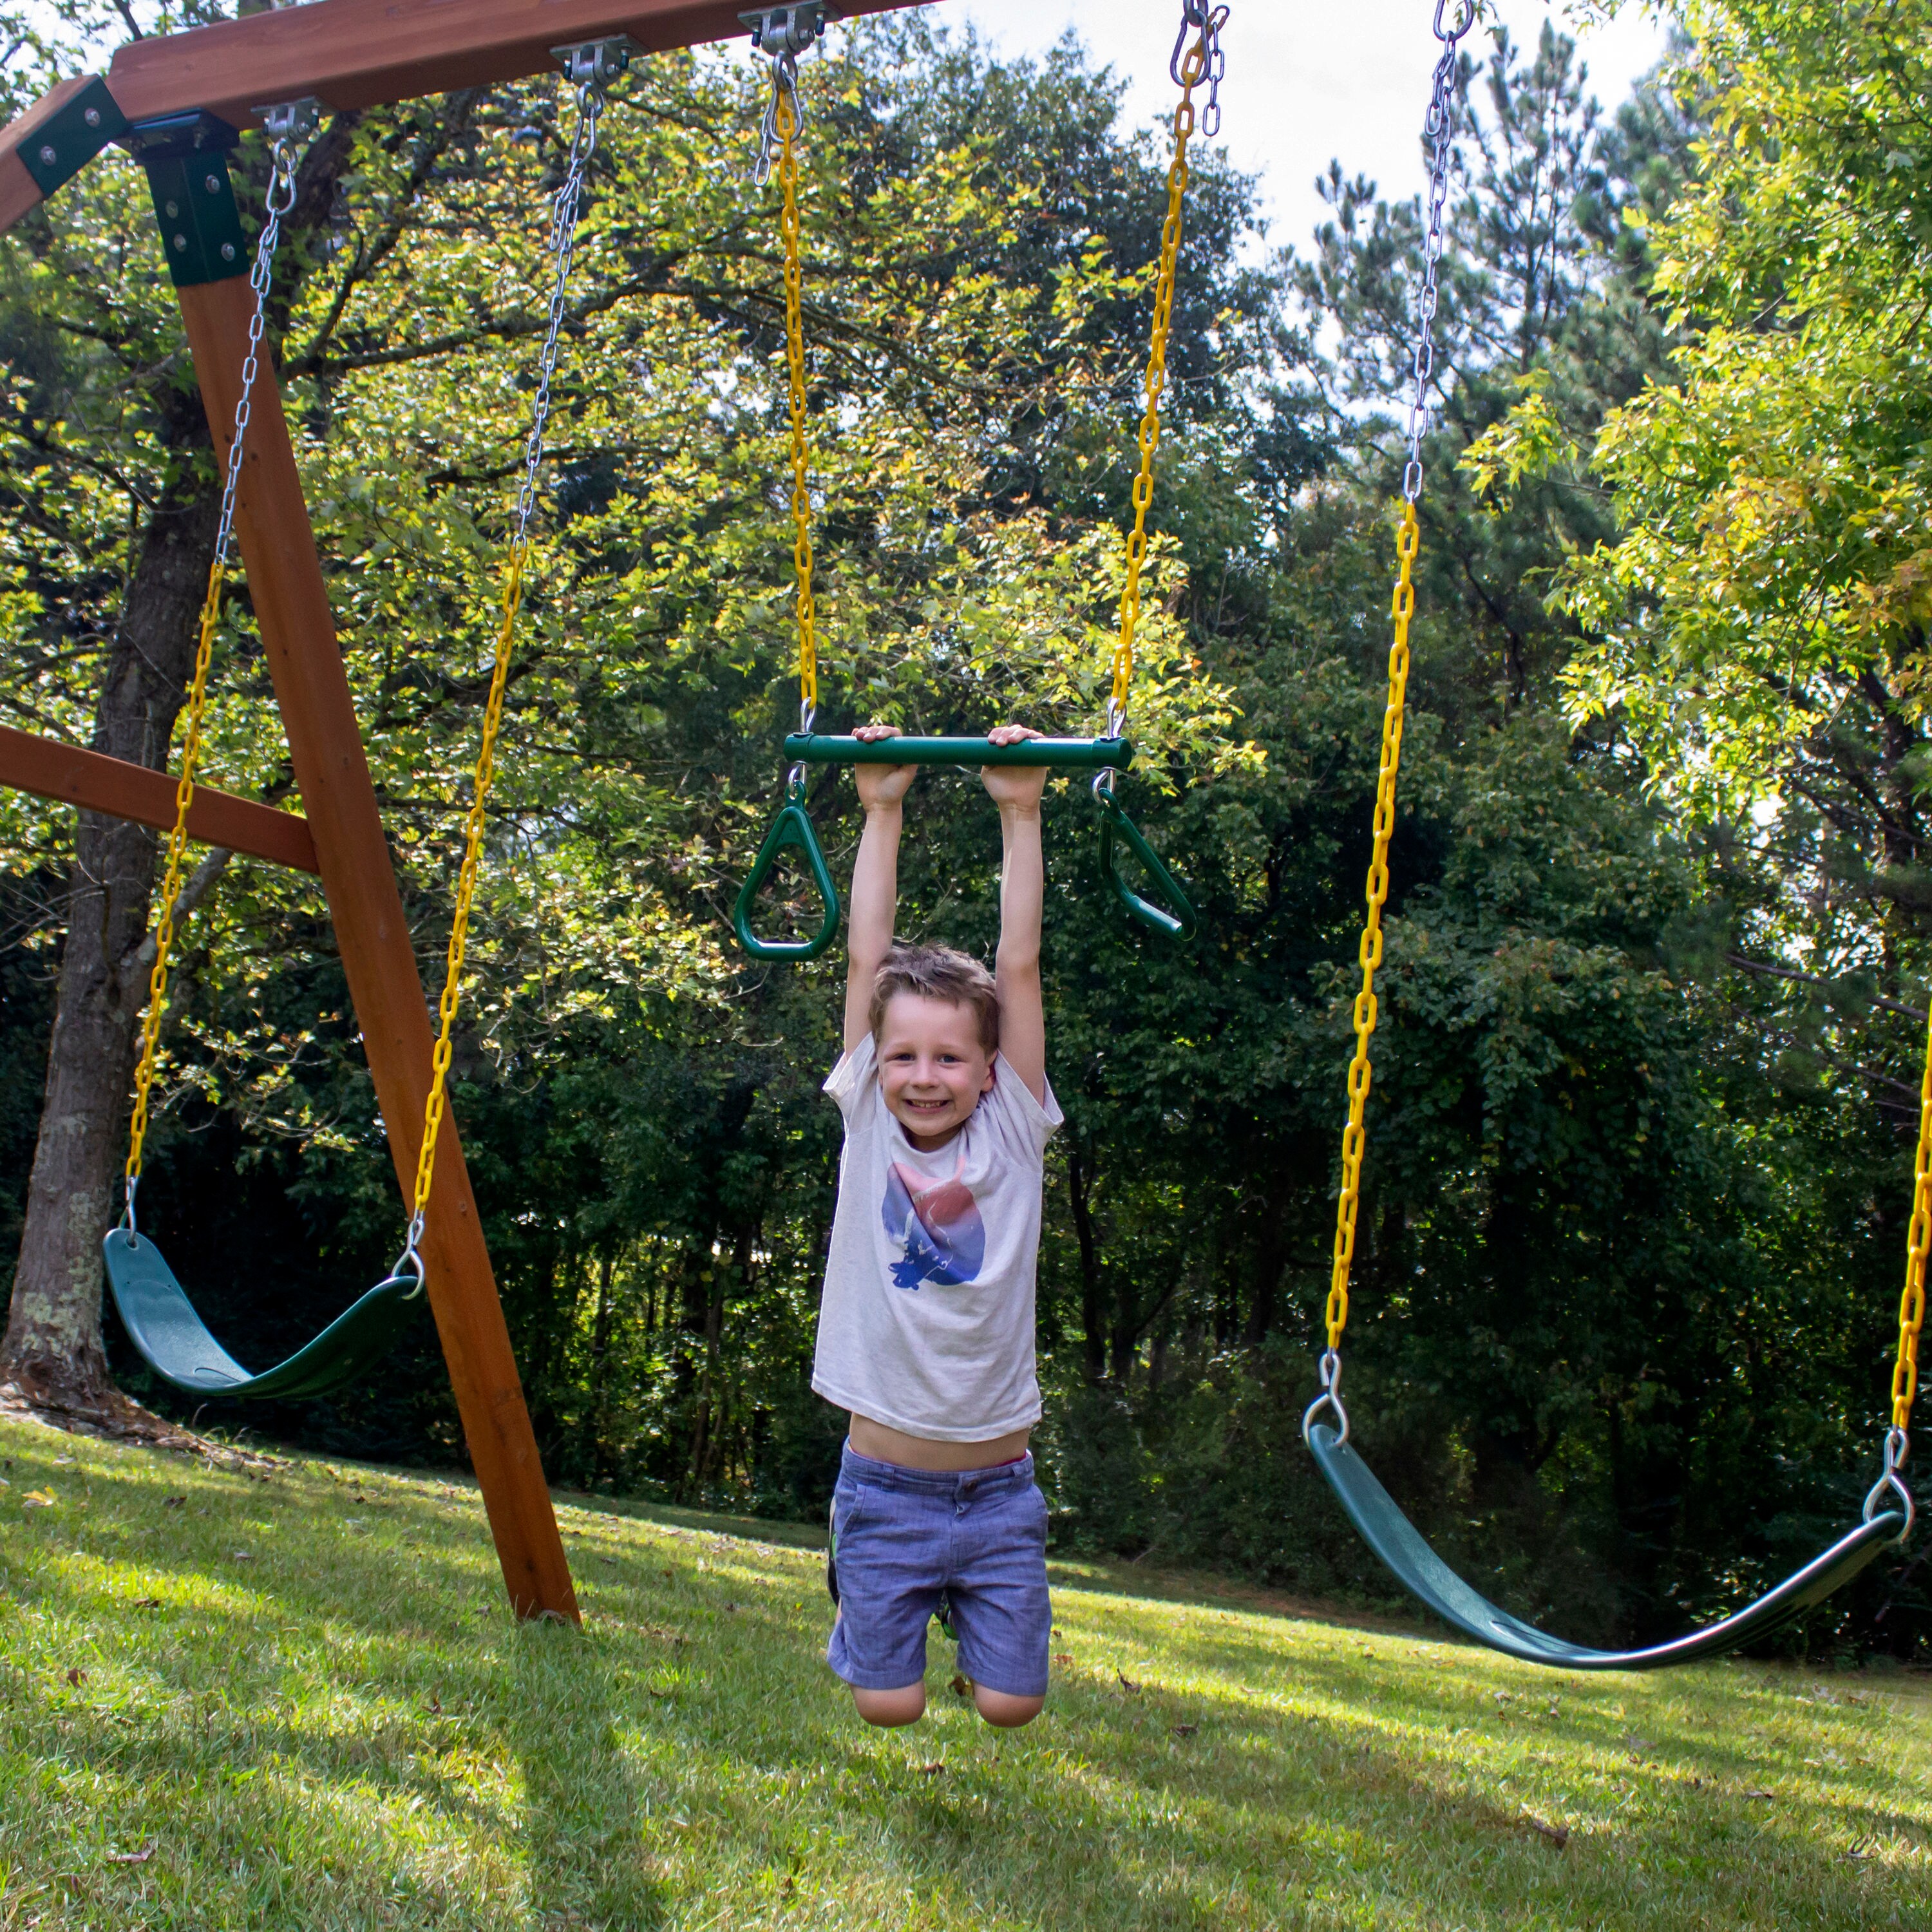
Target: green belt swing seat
(1401,1548)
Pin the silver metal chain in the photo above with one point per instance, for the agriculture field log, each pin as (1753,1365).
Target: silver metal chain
(281,197)
(566,208)
(782,33)
(1439,129)
(785,86)
(1204,16)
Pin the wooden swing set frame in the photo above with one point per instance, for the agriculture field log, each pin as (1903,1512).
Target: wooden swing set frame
(345,54)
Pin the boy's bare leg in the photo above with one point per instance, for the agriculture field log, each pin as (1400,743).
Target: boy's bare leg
(891,1708)
(1009,1712)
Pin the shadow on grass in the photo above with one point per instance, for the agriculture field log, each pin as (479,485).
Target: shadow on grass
(583,1825)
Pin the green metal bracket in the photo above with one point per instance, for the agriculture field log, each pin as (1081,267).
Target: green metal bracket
(791,827)
(68,139)
(1061,755)
(1177,920)
(186,156)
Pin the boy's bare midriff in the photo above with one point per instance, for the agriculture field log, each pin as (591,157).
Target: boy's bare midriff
(917,1452)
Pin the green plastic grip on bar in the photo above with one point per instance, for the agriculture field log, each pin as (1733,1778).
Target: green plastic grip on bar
(1177,918)
(791,827)
(1060,755)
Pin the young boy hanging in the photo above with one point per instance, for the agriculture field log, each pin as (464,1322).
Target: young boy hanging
(926,1332)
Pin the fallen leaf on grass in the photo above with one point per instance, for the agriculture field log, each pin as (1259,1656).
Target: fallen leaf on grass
(1760,1794)
(1558,1835)
(131,1858)
(1063,1656)
(36,1499)
(1126,1682)
(1183,1730)
(610,1560)
(961,1687)
(931,1770)
(174,1502)
(76,1676)
(146,1603)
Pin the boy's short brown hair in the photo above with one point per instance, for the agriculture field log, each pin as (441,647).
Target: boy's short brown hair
(937,973)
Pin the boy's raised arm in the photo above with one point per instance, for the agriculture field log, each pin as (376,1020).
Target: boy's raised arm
(1016,789)
(875,880)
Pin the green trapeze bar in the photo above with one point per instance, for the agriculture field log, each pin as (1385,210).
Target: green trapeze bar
(1059,754)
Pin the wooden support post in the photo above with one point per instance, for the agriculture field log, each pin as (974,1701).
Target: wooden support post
(291,604)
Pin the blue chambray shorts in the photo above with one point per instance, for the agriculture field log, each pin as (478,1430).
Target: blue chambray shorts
(905,1537)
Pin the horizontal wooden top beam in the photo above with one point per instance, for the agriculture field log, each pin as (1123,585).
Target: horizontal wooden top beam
(50,769)
(360,53)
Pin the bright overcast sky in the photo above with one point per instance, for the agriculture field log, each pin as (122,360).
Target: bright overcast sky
(1306,82)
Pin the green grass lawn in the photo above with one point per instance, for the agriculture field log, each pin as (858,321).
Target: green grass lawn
(298,1701)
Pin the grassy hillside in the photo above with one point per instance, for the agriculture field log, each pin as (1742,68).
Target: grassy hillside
(294,1699)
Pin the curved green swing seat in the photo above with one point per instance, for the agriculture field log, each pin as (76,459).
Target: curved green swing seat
(1409,1559)
(174,1341)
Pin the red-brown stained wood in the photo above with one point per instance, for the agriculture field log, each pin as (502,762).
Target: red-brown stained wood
(19,191)
(50,770)
(291,604)
(357,53)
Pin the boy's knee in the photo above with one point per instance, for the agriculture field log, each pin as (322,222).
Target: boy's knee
(905,1706)
(1000,1707)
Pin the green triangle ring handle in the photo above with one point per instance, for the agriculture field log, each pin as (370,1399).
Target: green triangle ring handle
(792,826)
(1177,920)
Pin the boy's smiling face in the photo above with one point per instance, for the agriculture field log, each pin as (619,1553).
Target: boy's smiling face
(932,1066)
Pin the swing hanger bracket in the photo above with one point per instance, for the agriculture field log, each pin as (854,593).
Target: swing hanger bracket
(780,31)
(597,63)
(291,120)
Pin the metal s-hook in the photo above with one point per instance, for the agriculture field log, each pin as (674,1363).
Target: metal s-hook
(1330,1397)
(1897,1446)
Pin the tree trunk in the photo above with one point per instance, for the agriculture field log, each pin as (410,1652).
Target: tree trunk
(52,1351)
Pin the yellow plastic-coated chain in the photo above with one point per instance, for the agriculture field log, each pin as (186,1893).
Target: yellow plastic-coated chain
(1918,1241)
(1193,70)
(466,884)
(801,492)
(1407,539)
(171,881)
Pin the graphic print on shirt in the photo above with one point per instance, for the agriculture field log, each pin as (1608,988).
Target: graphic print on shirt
(938,1223)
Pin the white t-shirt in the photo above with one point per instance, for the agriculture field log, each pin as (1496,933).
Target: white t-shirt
(927,1323)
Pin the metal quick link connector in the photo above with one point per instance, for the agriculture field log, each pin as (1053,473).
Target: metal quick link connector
(1204,18)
